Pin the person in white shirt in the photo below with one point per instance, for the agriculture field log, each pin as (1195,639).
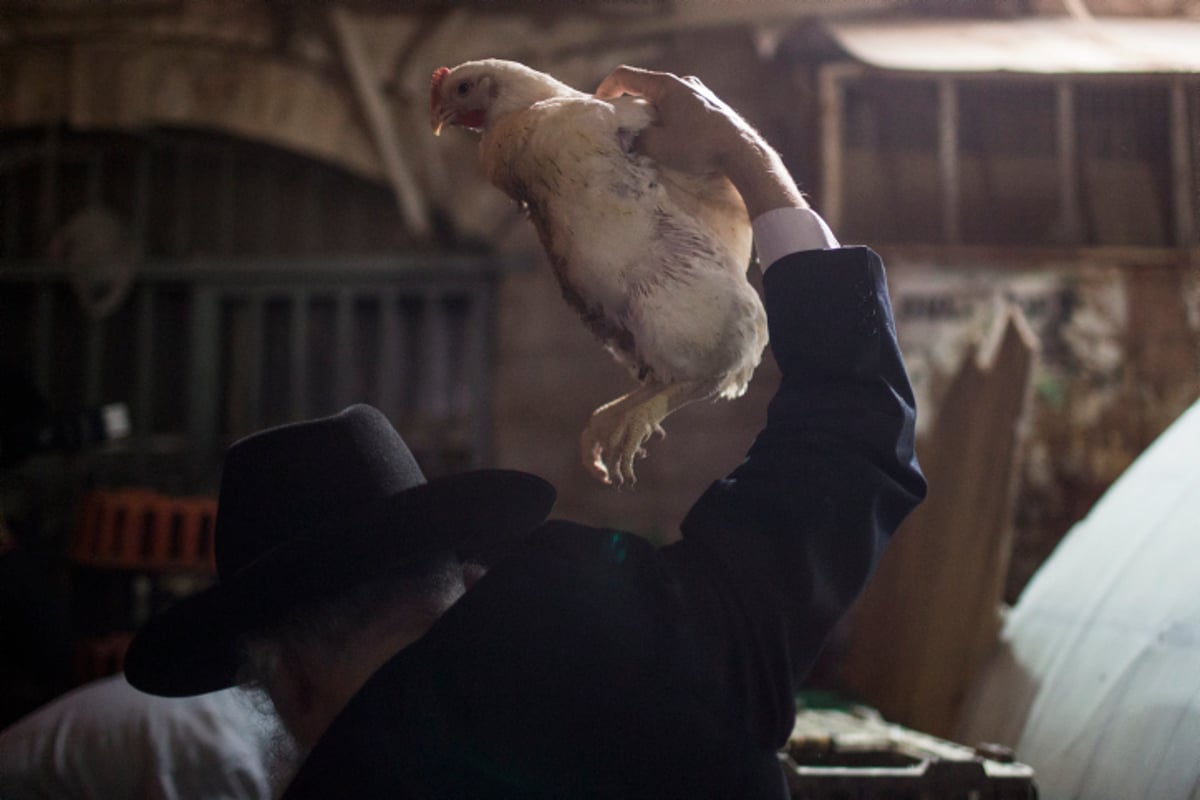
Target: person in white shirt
(106,740)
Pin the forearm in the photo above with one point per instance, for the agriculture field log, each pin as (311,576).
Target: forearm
(783,221)
(758,173)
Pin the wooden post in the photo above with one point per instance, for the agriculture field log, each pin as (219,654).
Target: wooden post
(948,159)
(1068,164)
(1181,164)
(830,82)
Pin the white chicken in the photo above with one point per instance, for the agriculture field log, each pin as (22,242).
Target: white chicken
(654,260)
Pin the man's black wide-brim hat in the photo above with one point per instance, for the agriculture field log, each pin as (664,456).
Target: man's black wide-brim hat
(310,509)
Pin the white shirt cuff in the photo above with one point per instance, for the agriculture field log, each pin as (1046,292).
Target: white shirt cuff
(782,231)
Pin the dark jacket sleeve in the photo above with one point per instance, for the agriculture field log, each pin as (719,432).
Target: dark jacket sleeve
(775,553)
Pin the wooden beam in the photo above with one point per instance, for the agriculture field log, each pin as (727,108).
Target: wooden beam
(374,106)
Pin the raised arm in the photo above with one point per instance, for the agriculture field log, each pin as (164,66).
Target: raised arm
(775,553)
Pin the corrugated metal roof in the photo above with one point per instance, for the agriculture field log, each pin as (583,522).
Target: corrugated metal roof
(1045,45)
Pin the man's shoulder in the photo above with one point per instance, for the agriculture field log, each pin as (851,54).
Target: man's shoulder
(574,540)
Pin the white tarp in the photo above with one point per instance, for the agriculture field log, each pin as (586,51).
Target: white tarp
(1041,45)
(1097,680)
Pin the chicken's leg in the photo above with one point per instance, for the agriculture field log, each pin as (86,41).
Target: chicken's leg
(617,431)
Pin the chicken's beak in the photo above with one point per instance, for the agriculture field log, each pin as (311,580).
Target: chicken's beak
(438,121)
(438,115)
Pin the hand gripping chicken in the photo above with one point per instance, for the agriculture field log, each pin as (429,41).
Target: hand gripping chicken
(653,259)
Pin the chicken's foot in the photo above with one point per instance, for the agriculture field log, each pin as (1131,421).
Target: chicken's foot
(618,431)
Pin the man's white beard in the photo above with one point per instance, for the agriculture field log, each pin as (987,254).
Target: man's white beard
(282,751)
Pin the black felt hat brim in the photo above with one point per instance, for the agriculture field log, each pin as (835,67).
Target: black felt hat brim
(192,648)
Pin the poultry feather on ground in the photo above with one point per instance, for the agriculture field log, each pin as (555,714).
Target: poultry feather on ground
(654,260)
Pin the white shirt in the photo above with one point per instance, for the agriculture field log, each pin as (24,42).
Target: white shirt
(782,231)
(108,740)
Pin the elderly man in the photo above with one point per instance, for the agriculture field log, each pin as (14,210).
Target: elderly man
(439,639)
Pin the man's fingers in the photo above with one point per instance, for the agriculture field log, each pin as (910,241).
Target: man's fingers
(631,80)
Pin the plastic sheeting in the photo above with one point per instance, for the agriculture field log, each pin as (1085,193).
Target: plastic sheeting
(1097,680)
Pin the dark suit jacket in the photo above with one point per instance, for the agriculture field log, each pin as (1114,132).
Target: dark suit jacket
(588,664)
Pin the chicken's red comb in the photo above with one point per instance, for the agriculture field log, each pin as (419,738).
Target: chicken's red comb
(435,83)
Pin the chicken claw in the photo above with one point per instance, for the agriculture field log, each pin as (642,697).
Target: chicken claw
(614,438)
(618,431)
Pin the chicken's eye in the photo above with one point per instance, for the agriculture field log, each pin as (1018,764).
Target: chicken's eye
(463,88)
